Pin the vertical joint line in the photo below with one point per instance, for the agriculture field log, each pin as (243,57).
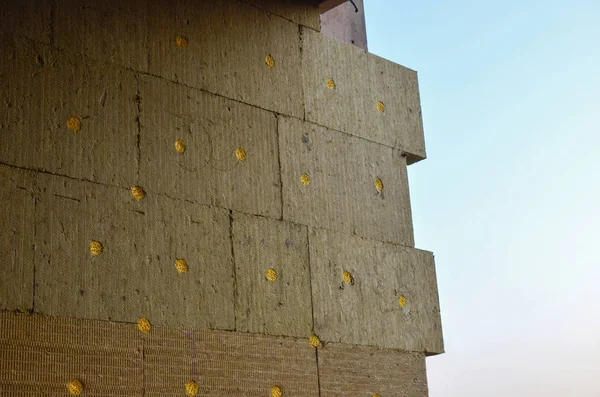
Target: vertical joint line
(51,21)
(138,100)
(301,47)
(147,42)
(318,374)
(278,138)
(312,305)
(195,372)
(144,367)
(35,202)
(235,291)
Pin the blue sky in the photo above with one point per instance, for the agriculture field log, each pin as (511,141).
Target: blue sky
(509,197)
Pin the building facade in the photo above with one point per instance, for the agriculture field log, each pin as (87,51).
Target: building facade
(206,198)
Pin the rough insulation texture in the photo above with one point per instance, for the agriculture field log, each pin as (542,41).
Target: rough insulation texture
(16,244)
(135,276)
(225,364)
(361,80)
(304,13)
(280,307)
(29,18)
(346,370)
(201,106)
(213,56)
(212,128)
(40,355)
(111,30)
(368,311)
(42,88)
(342,194)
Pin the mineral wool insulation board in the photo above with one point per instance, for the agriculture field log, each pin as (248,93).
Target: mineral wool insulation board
(272,276)
(135,273)
(207,149)
(389,297)
(256,60)
(67,115)
(336,181)
(43,354)
(350,90)
(304,13)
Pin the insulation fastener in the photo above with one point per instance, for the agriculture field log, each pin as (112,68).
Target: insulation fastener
(74,123)
(270,61)
(144,325)
(276,391)
(96,248)
(305,179)
(75,387)
(181,41)
(314,340)
(240,153)
(402,301)
(380,106)
(378,184)
(348,279)
(191,388)
(271,275)
(181,265)
(180,146)
(331,83)
(137,192)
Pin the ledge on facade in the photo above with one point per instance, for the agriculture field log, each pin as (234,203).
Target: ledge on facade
(326,5)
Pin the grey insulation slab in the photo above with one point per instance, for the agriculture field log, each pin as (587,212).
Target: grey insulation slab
(108,30)
(304,13)
(369,371)
(115,359)
(46,353)
(342,194)
(392,301)
(279,307)
(213,129)
(343,85)
(135,276)
(28,18)
(222,46)
(67,115)
(17,200)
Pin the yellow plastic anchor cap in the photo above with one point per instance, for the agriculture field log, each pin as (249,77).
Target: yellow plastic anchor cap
(271,275)
(137,192)
(75,387)
(270,61)
(96,248)
(348,279)
(314,340)
(276,391)
(74,124)
(191,388)
(181,41)
(181,265)
(144,325)
(305,179)
(240,153)
(402,301)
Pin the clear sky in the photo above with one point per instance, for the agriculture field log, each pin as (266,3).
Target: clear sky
(509,197)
